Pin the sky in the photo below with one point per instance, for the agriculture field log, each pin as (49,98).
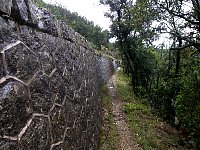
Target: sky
(93,11)
(87,8)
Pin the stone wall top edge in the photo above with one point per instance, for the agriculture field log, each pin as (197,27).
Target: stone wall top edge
(24,12)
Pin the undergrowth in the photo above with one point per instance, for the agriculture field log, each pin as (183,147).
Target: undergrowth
(150,131)
(108,130)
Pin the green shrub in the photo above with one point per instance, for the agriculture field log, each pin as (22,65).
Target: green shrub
(132,107)
(187,105)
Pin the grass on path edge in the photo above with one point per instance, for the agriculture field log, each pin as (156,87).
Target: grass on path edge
(151,131)
(108,130)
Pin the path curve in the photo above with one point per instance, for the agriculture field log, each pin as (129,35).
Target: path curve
(126,140)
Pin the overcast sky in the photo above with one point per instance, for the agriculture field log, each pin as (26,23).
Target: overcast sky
(93,12)
(88,8)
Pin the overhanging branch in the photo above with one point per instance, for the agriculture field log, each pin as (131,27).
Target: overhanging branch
(180,48)
(178,14)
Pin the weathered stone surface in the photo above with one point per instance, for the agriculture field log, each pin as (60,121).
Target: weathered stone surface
(44,20)
(70,139)
(21,61)
(2,70)
(58,88)
(13,108)
(19,11)
(106,68)
(57,147)
(41,96)
(5,6)
(7,34)
(8,145)
(37,135)
(58,123)
(50,82)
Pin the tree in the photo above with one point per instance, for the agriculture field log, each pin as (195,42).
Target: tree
(130,37)
(168,77)
(187,17)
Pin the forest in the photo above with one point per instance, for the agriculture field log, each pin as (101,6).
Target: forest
(167,75)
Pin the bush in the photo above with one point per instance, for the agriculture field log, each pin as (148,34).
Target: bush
(187,105)
(132,107)
(162,100)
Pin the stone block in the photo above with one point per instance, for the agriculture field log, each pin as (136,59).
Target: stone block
(5,6)
(13,108)
(21,62)
(43,20)
(41,95)
(37,135)
(20,11)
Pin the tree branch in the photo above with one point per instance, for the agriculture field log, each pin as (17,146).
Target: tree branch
(180,48)
(178,14)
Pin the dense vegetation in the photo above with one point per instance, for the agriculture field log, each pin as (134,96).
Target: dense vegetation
(149,130)
(168,75)
(91,32)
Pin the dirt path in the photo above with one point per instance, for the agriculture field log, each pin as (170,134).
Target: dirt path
(126,140)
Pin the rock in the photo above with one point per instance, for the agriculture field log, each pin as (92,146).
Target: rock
(5,6)
(13,108)
(26,13)
(44,20)
(19,11)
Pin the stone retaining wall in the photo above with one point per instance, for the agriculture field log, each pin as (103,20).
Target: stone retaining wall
(50,81)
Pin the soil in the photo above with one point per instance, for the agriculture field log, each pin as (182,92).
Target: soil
(126,139)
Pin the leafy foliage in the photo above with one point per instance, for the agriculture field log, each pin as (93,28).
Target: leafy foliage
(150,131)
(168,77)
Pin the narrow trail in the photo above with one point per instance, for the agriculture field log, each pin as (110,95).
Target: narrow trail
(126,140)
